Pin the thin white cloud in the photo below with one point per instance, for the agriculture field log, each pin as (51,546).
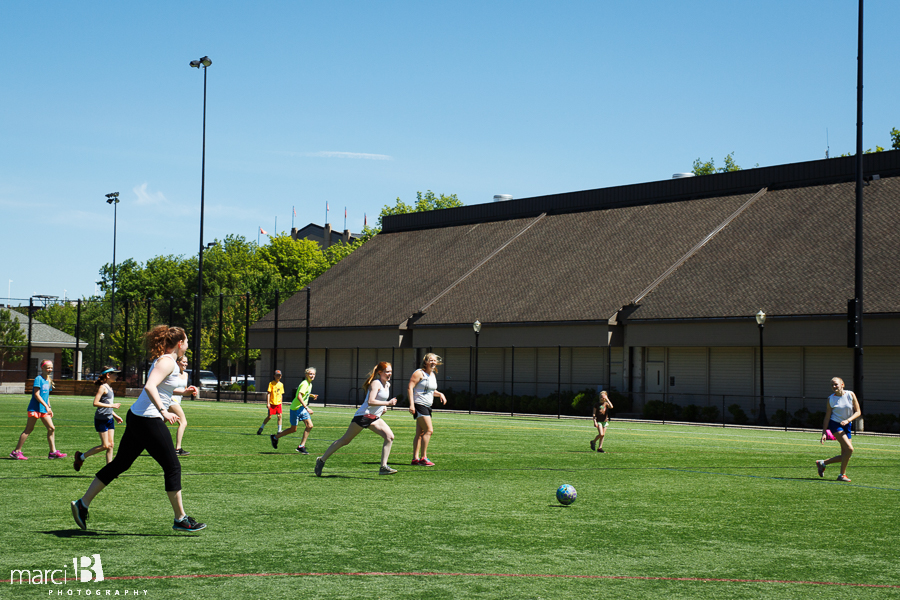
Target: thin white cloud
(145,197)
(362,155)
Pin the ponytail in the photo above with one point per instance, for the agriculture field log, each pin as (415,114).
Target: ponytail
(161,338)
(375,372)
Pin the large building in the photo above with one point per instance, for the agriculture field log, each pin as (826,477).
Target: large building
(650,289)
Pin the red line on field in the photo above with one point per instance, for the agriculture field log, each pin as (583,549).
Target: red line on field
(526,575)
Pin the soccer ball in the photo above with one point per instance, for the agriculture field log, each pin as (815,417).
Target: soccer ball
(566,494)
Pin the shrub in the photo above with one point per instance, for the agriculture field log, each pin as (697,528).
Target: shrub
(780,418)
(709,414)
(801,417)
(691,412)
(251,388)
(584,401)
(737,414)
(657,410)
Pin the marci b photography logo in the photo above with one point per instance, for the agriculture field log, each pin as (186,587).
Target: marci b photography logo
(90,570)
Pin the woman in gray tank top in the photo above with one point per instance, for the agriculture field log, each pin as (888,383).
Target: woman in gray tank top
(422,391)
(105,419)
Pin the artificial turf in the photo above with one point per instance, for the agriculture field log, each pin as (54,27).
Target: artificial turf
(668,511)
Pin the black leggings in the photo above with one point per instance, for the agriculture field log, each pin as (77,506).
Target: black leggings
(152,435)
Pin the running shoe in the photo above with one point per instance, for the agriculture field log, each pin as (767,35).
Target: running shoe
(274,441)
(843,478)
(259,431)
(600,450)
(17,455)
(820,465)
(181,452)
(319,464)
(593,445)
(188,524)
(415,462)
(386,470)
(80,513)
(302,450)
(56,454)
(79,460)
(425,462)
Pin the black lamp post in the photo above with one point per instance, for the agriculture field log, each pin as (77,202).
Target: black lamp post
(102,359)
(761,321)
(113,199)
(477,327)
(204,62)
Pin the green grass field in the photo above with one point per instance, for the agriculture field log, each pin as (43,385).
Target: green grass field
(666,512)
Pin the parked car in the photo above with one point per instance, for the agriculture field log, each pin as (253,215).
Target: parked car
(208,379)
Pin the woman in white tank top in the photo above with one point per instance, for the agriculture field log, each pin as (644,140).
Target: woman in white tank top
(841,410)
(377,387)
(146,429)
(422,391)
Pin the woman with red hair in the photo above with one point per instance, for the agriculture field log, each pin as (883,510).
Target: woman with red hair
(377,387)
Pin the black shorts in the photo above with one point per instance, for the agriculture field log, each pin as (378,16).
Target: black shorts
(365,420)
(422,411)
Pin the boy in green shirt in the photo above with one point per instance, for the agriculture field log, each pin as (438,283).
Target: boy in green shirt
(300,411)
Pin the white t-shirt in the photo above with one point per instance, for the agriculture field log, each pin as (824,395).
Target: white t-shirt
(423,391)
(183,379)
(383,394)
(144,407)
(841,406)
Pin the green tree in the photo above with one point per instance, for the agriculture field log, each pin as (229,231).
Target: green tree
(424,202)
(12,340)
(709,167)
(895,139)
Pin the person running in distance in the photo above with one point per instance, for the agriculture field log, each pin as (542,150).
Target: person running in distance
(105,419)
(421,391)
(39,408)
(300,411)
(146,429)
(377,387)
(276,391)
(175,407)
(841,409)
(601,419)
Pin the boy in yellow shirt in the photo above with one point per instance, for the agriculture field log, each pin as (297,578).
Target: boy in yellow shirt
(276,391)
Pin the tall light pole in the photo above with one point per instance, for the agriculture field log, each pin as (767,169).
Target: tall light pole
(762,420)
(476,326)
(113,199)
(205,62)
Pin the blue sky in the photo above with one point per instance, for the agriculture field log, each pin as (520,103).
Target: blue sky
(358,103)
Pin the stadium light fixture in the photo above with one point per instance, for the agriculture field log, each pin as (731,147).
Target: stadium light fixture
(204,62)
(113,198)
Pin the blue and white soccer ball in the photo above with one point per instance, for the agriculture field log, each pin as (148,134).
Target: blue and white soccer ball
(566,494)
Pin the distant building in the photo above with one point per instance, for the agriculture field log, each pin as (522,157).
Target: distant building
(324,236)
(650,289)
(47,343)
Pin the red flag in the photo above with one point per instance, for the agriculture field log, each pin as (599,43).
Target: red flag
(263,231)
(365,220)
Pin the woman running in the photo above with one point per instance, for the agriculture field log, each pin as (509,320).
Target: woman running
(840,411)
(105,419)
(175,407)
(377,387)
(146,429)
(421,391)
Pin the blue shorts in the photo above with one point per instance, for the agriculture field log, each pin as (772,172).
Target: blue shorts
(102,425)
(835,428)
(301,414)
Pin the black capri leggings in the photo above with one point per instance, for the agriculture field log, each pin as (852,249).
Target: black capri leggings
(152,435)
